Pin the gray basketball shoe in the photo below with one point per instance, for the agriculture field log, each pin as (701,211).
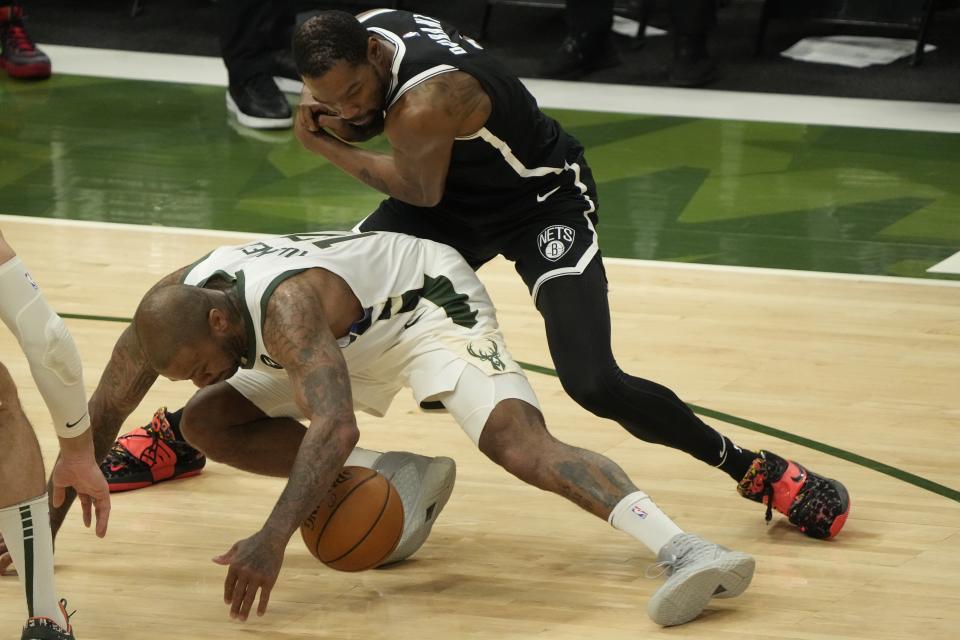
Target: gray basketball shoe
(696,570)
(424,485)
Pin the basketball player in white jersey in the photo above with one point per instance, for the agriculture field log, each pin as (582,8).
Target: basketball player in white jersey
(314,326)
(24,515)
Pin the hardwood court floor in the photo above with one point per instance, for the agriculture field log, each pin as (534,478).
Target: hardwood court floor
(865,365)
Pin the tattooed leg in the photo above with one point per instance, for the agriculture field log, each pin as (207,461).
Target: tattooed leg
(516,438)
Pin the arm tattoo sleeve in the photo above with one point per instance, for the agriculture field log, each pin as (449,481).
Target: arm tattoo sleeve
(298,337)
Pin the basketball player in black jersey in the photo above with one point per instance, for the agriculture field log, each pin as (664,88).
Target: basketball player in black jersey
(477,165)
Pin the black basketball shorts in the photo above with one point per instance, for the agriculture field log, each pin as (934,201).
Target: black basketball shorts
(550,236)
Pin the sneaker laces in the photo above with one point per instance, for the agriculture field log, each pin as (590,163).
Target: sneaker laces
(119,453)
(658,569)
(18,38)
(768,494)
(679,554)
(63,607)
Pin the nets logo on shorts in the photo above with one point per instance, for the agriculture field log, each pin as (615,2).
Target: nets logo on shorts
(555,241)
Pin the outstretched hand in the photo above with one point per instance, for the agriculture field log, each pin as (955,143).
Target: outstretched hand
(82,473)
(254,566)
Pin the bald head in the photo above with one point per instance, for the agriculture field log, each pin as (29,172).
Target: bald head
(172,317)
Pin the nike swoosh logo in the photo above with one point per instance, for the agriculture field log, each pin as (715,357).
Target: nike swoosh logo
(413,321)
(541,198)
(71,425)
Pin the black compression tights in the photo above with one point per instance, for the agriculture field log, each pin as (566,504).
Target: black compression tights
(577,318)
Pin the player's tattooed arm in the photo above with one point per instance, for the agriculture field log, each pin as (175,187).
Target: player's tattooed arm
(297,335)
(124,382)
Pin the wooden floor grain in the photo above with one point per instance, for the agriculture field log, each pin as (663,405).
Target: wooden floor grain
(867,366)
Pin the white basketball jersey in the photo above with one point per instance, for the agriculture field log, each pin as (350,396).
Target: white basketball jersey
(390,273)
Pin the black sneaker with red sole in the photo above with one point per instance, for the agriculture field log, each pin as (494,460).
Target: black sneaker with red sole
(151,454)
(816,505)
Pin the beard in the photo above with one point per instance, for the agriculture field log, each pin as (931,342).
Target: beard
(369,129)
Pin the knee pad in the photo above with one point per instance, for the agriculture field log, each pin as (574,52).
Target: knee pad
(48,346)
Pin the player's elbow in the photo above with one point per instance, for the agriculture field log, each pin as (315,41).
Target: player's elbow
(345,434)
(426,194)
(429,198)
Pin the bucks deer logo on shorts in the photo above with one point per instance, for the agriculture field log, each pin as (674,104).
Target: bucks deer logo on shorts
(555,241)
(489,354)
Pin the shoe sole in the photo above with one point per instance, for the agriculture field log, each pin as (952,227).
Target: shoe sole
(736,571)
(683,596)
(26,71)
(118,487)
(257,123)
(437,486)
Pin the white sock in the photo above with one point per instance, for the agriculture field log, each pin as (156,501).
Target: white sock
(26,530)
(638,516)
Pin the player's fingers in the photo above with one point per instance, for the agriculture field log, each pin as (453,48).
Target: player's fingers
(236,599)
(102,504)
(86,503)
(58,495)
(305,114)
(264,599)
(248,599)
(229,585)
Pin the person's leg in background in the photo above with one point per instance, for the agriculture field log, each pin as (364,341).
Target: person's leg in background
(19,55)
(252,32)
(589,42)
(691,22)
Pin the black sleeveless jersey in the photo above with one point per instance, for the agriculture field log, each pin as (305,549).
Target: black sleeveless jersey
(496,173)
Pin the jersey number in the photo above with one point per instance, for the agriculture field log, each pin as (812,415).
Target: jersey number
(329,239)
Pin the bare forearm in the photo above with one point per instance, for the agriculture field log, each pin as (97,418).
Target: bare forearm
(321,456)
(377,170)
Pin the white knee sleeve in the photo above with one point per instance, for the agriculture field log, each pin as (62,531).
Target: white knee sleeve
(49,347)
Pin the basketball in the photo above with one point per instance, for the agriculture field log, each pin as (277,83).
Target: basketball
(358,524)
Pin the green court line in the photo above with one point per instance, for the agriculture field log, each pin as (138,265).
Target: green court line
(843,454)
(899,474)
(893,472)
(83,316)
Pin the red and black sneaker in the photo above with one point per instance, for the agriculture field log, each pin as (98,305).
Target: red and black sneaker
(150,454)
(818,506)
(40,628)
(18,54)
